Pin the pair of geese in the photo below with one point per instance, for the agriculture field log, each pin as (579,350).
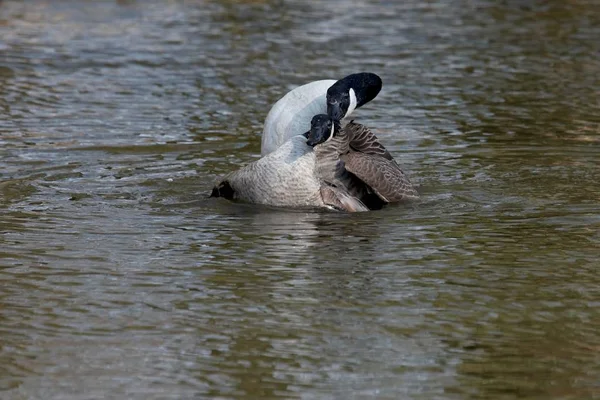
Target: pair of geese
(310,160)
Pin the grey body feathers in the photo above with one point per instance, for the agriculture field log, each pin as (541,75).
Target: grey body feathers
(351,172)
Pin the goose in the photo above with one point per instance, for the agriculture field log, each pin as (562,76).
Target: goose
(344,169)
(291,115)
(352,159)
(286,177)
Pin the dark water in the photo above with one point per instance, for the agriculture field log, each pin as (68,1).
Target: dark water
(119,279)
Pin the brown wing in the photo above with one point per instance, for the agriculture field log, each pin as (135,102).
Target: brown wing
(382,175)
(363,140)
(341,200)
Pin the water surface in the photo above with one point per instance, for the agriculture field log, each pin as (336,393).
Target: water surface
(120,279)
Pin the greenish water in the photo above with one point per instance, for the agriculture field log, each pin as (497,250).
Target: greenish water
(120,279)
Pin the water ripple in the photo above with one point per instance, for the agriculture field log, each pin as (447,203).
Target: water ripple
(122,279)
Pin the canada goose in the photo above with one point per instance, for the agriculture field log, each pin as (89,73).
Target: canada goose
(290,174)
(291,115)
(286,177)
(353,159)
(345,169)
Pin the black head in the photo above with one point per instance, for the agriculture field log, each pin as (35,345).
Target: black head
(322,128)
(351,92)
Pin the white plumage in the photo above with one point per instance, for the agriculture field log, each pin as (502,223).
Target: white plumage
(291,115)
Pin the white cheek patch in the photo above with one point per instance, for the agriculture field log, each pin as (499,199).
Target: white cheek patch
(353,103)
(331,134)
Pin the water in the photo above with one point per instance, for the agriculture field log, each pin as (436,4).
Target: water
(120,279)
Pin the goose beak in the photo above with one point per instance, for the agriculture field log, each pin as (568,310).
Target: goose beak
(317,135)
(334,111)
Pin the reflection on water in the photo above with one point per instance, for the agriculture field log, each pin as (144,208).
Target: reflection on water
(122,279)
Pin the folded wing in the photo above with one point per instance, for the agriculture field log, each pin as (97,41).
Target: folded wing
(362,140)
